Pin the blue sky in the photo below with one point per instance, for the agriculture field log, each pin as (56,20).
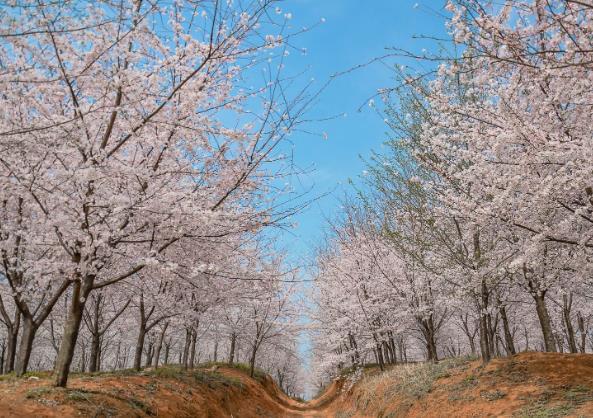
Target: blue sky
(354,32)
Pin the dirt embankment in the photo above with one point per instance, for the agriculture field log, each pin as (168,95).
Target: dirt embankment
(526,385)
(165,392)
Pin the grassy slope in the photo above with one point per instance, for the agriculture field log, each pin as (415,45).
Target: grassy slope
(167,391)
(526,385)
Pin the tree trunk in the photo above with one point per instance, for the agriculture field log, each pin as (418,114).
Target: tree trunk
(192,353)
(526,335)
(566,308)
(95,339)
(484,343)
(124,361)
(582,332)
(139,346)
(354,346)
(232,350)
(26,345)
(387,353)
(428,331)
(379,354)
(83,358)
(483,303)
(117,354)
(95,348)
(252,361)
(432,350)
(2,357)
(159,345)
(508,336)
(11,342)
(392,347)
(560,343)
(401,349)
(492,334)
(472,344)
(167,349)
(80,293)
(185,355)
(544,320)
(149,355)
(99,355)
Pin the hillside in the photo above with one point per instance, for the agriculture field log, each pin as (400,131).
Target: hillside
(526,385)
(164,392)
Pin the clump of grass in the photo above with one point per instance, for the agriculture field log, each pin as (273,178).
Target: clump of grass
(578,395)
(116,373)
(418,380)
(413,381)
(215,380)
(493,395)
(346,371)
(151,386)
(458,390)
(466,383)
(513,372)
(244,367)
(76,395)
(167,372)
(543,410)
(212,379)
(542,407)
(40,375)
(138,404)
(38,393)
(460,396)
(7,377)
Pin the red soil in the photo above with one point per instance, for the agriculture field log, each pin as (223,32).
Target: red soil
(544,385)
(526,385)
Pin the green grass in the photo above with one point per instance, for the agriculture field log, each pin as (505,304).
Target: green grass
(578,395)
(12,376)
(410,381)
(494,395)
(215,380)
(458,390)
(7,377)
(138,404)
(543,407)
(38,393)
(369,366)
(78,395)
(244,367)
(543,410)
(40,375)
(199,375)
(418,380)
(90,401)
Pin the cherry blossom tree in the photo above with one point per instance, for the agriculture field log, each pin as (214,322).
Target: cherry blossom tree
(117,150)
(484,189)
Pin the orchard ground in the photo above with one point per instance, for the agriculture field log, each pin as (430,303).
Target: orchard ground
(524,385)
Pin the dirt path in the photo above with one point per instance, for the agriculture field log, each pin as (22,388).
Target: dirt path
(319,407)
(528,384)
(164,392)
